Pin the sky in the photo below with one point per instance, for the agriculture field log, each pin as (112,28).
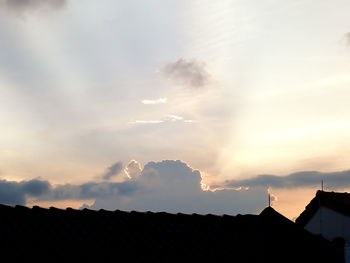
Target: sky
(174,105)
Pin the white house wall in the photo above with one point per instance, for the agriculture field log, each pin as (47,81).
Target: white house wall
(330,224)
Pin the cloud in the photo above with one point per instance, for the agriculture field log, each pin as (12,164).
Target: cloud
(175,118)
(173,186)
(170,186)
(133,169)
(154,102)
(347,35)
(35,187)
(29,5)
(168,118)
(90,190)
(63,192)
(191,74)
(334,180)
(146,122)
(113,170)
(272,198)
(107,190)
(16,193)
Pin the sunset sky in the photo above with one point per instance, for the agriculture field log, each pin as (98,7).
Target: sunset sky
(142,104)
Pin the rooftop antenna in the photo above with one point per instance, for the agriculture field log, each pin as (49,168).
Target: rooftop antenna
(322,185)
(269,200)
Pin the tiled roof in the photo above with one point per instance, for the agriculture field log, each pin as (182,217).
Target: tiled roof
(339,202)
(104,236)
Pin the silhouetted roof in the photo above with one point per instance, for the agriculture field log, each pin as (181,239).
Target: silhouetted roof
(339,202)
(272,214)
(77,235)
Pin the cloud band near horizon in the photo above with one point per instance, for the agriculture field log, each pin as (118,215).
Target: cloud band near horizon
(332,180)
(170,186)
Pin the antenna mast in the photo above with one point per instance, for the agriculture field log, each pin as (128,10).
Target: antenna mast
(269,200)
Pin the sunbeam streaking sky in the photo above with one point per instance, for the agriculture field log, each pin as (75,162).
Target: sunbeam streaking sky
(234,89)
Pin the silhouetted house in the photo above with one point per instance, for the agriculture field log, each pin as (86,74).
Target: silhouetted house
(328,214)
(53,235)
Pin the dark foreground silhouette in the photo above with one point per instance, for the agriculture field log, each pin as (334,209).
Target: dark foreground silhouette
(55,235)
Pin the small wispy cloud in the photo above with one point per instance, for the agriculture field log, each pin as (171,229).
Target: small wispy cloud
(189,121)
(154,102)
(113,170)
(175,118)
(146,122)
(168,118)
(189,73)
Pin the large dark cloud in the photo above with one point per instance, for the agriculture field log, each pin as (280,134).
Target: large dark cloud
(168,185)
(16,193)
(189,73)
(334,180)
(25,5)
(35,187)
(173,186)
(91,190)
(107,190)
